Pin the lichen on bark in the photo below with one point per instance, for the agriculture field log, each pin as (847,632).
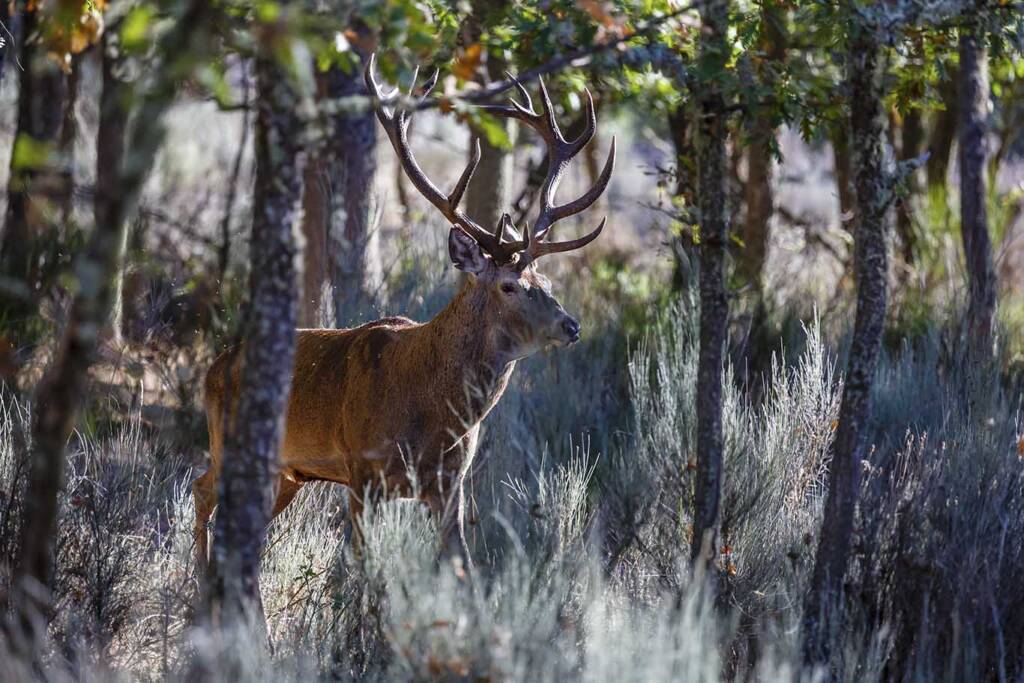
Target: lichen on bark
(256,426)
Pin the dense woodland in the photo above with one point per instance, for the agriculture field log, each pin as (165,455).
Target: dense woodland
(777,433)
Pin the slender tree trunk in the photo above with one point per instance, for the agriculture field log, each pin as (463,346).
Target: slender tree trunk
(823,609)
(254,433)
(757,190)
(940,146)
(844,173)
(36,178)
(943,133)
(714,308)
(911,137)
(315,204)
(224,251)
(66,144)
(350,166)
(59,392)
(109,152)
(974,93)
(685,191)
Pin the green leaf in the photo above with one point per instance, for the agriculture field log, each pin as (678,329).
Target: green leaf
(30,153)
(135,31)
(494,130)
(268,12)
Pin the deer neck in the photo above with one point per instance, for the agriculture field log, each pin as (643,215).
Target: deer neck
(468,350)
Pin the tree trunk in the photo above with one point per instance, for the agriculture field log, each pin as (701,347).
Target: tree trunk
(109,152)
(973,147)
(36,180)
(685,191)
(59,392)
(66,144)
(844,173)
(350,167)
(714,309)
(823,609)
(250,463)
(940,145)
(758,189)
(911,138)
(315,201)
(940,142)
(224,249)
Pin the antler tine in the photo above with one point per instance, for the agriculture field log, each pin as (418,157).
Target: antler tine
(522,91)
(415,77)
(548,112)
(374,88)
(397,127)
(590,124)
(455,197)
(505,222)
(540,248)
(516,111)
(428,87)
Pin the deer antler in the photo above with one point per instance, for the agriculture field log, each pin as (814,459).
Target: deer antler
(396,124)
(560,153)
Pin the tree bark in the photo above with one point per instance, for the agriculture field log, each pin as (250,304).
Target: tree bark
(224,249)
(350,167)
(940,142)
(823,608)
(911,137)
(256,425)
(844,173)
(973,152)
(109,151)
(940,146)
(714,309)
(315,203)
(757,190)
(685,190)
(66,144)
(60,391)
(36,179)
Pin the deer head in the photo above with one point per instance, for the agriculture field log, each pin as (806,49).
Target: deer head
(502,263)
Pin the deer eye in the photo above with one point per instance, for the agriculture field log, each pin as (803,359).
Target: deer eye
(508,288)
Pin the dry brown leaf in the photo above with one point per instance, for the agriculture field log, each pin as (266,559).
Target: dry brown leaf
(468,62)
(599,12)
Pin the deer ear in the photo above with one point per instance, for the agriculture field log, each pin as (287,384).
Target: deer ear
(465,252)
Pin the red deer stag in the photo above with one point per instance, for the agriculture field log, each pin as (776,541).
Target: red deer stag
(395,405)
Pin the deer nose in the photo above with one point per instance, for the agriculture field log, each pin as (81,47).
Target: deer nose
(571,328)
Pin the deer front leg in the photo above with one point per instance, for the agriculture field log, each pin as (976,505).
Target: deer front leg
(204,493)
(447,499)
